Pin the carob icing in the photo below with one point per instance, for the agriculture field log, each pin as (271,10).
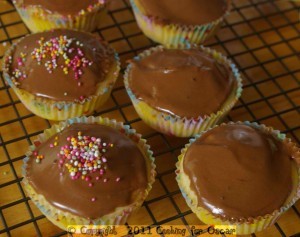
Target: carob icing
(237,171)
(188,12)
(65,7)
(88,170)
(186,83)
(61,65)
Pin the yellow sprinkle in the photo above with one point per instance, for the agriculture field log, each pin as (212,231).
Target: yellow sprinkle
(55,144)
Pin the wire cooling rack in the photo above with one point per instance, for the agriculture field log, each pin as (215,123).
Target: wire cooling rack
(261,37)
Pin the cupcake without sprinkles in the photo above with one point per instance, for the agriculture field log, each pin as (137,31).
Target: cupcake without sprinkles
(240,174)
(182,92)
(88,171)
(43,15)
(62,73)
(175,24)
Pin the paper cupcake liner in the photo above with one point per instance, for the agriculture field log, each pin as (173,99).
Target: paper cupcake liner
(175,35)
(182,126)
(245,225)
(62,110)
(120,215)
(37,19)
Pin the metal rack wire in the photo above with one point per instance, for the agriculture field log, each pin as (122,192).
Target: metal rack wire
(261,37)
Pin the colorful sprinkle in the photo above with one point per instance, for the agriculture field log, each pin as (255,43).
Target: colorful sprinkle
(61,47)
(38,157)
(82,156)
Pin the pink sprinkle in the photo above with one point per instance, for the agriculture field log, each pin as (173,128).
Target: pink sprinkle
(97,177)
(61,174)
(118,179)
(51,145)
(105,180)
(87,178)
(93,199)
(61,162)
(90,184)
(79,83)
(81,97)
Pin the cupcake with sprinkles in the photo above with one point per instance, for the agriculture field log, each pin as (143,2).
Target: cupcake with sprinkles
(88,170)
(42,15)
(61,74)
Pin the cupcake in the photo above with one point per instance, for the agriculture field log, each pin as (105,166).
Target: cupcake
(43,15)
(184,22)
(62,73)
(88,171)
(240,174)
(182,92)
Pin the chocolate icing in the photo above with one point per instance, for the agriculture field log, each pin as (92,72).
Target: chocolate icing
(237,171)
(186,83)
(190,12)
(57,85)
(64,7)
(124,160)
